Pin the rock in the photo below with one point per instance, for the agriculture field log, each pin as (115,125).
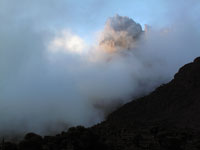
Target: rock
(31,141)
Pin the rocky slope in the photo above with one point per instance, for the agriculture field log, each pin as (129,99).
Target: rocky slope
(166,119)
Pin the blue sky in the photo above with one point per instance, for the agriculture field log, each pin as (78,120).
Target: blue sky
(88,16)
(84,17)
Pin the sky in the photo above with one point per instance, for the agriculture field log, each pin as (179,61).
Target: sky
(81,16)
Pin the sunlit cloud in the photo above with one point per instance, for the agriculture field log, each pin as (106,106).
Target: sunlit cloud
(67,42)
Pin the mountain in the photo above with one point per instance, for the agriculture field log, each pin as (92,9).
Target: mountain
(166,119)
(176,103)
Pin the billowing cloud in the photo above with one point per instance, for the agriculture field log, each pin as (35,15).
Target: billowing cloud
(120,33)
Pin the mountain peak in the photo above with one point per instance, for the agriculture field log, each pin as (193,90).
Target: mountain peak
(176,102)
(188,76)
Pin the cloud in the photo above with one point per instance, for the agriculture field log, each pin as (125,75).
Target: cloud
(52,79)
(119,33)
(68,42)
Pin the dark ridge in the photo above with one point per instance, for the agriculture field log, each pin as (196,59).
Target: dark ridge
(166,119)
(176,103)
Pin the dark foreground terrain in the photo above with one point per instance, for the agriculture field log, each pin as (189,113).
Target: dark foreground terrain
(166,119)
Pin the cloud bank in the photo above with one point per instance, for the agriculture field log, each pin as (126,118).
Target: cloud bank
(52,79)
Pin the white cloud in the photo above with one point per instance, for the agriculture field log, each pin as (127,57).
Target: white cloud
(67,42)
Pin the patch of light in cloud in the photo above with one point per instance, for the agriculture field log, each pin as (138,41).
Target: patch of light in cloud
(66,42)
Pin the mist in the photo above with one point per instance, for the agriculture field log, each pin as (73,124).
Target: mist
(52,78)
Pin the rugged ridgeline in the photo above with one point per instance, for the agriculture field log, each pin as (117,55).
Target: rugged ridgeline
(166,119)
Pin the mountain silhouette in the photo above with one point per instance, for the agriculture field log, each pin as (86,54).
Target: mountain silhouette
(166,119)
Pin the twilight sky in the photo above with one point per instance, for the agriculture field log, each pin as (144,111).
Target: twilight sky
(88,16)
